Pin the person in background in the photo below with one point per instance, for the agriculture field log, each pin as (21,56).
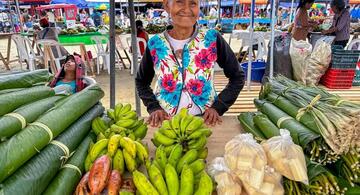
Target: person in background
(96,16)
(182,61)
(2,22)
(213,12)
(341,23)
(279,16)
(302,24)
(15,21)
(141,33)
(105,18)
(27,19)
(150,13)
(71,74)
(51,18)
(82,15)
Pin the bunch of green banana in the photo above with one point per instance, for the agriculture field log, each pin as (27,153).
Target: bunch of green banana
(172,183)
(123,121)
(126,153)
(183,129)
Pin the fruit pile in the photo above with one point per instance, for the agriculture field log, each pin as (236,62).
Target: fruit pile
(170,183)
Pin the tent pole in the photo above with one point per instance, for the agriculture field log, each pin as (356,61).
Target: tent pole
(18,13)
(272,41)
(112,53)
(251,31)
(232,19)
(134,47)
(219,11)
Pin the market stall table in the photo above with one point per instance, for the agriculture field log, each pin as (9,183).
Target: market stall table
(84,38)
(6,60)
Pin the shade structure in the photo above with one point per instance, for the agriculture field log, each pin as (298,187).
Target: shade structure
(354,1)
(258,2)
(78,3)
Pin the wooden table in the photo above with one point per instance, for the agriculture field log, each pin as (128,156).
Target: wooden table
(6,60)
(223,133)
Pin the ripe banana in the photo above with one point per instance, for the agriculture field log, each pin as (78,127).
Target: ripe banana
(97,148)
(205,185)
(203,153)
(189,157)
(195,124)
(119,161)
(160,156)
(172,180)
(201,142)
(186,181)
(129,145)
(141,152)
(129,161)
(175,155)
(113,145)
(168,133)
(157,180)
(141,131)
(143,185)
(198,166)
(162,139)
(125,123)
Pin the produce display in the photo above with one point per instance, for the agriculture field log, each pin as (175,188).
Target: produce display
(155,29)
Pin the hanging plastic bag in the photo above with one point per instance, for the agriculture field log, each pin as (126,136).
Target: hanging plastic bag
(227,184)
(299,53)
(246,159)
(319,60)
(286,157)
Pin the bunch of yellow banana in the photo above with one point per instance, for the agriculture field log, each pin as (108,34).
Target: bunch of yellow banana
(125,153)
(172,183)
(123,121)
(183,129)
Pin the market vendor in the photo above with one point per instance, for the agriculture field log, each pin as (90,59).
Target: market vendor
(341,23)
(302,24)
(183,61)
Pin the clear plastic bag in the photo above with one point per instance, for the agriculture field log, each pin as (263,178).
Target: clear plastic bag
(227,184)
(246,159)
(286,157)
(299,53)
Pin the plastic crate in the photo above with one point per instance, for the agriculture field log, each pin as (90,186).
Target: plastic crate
(356,81)
(334,74)
(337,84)
(344,59)
(257,70)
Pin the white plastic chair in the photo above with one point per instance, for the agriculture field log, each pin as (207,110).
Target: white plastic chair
(101,52)
(52,43)
(258,39)
(139,40)
(354,45)
(26,52)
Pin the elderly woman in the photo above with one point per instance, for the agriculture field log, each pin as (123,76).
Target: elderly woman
(341,23)
(183,61)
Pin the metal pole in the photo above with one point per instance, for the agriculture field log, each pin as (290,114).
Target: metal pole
(273,19)
(219,11)
(134,47)
(232,19)
(11,18)
(251,31)
(291,11)
(112,53)
(18,13)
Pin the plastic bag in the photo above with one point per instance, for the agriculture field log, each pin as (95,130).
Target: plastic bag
(246,159)
(319,60)
(272,184)
(286,157)
(299,53)
(227,184)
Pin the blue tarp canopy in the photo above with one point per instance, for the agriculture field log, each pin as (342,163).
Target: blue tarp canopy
(78,3)
(355,13)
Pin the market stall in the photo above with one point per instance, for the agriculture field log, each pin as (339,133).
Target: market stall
(64,13)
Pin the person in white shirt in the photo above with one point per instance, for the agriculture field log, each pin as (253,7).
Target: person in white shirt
(213,12)
(51,18)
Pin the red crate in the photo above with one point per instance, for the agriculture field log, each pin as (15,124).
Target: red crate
(337,84)
(339,73)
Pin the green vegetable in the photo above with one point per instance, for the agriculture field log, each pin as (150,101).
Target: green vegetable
(266,126)
(24,80)
(246,121)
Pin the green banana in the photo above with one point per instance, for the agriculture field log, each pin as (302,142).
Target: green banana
(168,133)
(205,131)
(143,185)
(166,124)
(172,180)
(175,123)
(162,139)
(205,185)
(155,142)
(100,136)
(129,145)
(186,181)
(201,142)
(129,161)
(125,123)
(141,131)
(96,127)
(141,152)
(97,148)
(132,136)
(157,180)
(137,124)
(122,192)
(111,114)
(195,124)
(183,112)
(158,166)
(103,152)
(113,145)
(102,123)
(198,166)
(175,155)
(189,157)
(195,135)
(160,156)
(117,110)
(119,162)
(87,163)
(203,153)
(125,109)
(107,133)
(168,149)
(117,129)
(185,122)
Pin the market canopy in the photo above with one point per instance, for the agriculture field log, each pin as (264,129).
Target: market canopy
(354,1)
(259,2)
(56,6)
(78,3)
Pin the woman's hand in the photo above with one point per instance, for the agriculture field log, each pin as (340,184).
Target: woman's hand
(157,117)
(212,117)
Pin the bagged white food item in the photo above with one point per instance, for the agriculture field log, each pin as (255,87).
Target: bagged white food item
(227,184)
(246,159)
(299,53)
(286,157)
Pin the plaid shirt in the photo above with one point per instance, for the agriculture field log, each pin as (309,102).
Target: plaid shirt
(342,22)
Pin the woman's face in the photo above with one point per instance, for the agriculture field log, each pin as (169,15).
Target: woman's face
(70,65)
(308,5)
(335,9)
(184,13)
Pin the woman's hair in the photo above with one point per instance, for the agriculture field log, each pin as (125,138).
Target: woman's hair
(302,3)
(44,23)
(139,24)
(339,4)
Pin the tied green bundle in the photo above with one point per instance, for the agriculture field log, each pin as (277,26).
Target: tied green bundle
(34,176)
(25,144)
(247,122)
(24,80)
(11,101)
(13,122)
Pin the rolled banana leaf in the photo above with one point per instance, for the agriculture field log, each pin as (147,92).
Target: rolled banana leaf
(301,135)
(34,176)
(13,123)
(5,91)
(24,80)
(11,101)
(246,121)
(25,144)
(286,106)
(68,177)
(267,128)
